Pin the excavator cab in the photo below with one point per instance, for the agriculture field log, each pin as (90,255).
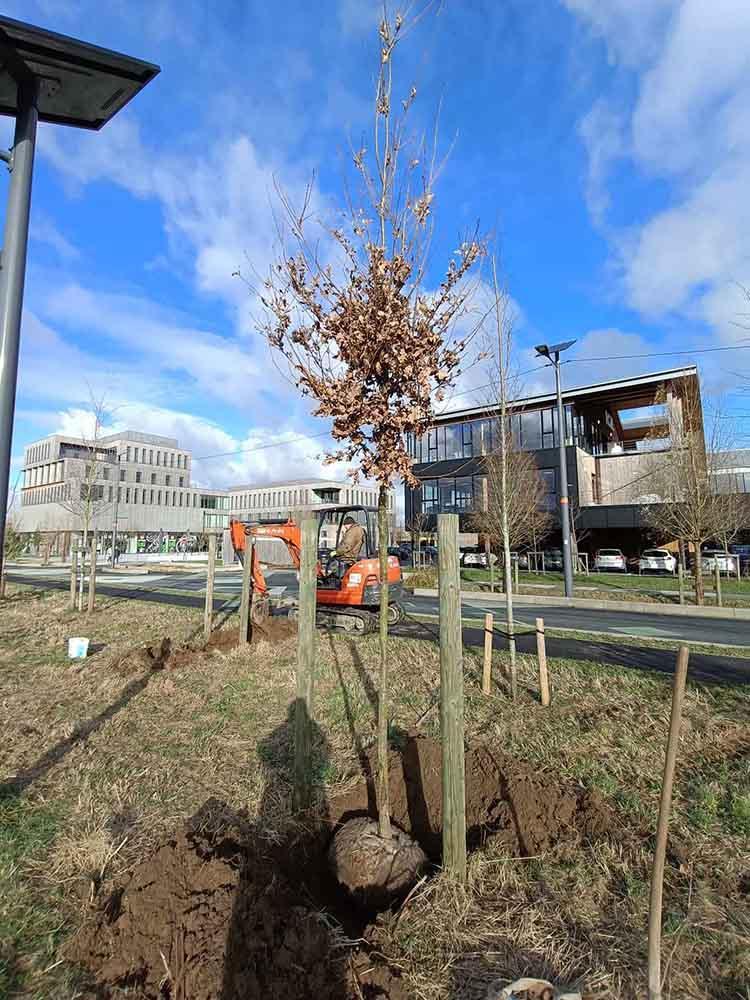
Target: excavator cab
(348,588)
(333,566)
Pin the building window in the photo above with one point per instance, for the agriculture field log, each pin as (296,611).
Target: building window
(127,494)
(110,494)
(548,477)
(105,472)
(171,459)
(180,499)
(182,481)
(167,480)
(174,499)
(158,457)
(152,496)
(138,477)
(153,479)
(158,498)
(127,454)
(151,456)
(122,475)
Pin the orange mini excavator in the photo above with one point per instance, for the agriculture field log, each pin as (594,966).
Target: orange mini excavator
(348,594)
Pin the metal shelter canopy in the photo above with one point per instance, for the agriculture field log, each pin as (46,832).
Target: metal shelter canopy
(79,84)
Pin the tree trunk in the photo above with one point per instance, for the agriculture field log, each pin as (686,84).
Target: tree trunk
(384,797)
(698,573)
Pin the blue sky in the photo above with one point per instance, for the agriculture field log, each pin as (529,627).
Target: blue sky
(606,145)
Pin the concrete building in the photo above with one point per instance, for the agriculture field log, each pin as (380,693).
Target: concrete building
(140,482)
(300,497)
(612,431)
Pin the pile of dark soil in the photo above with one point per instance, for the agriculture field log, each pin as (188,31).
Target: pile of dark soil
(523,811)
(167,656)
(218,914)
(209,916)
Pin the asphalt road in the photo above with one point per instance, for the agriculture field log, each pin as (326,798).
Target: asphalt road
(186,589)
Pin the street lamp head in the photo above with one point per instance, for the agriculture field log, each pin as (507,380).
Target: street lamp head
(547,350)
(79,84)
(559,348)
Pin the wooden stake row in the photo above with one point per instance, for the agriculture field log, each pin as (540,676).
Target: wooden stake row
(541,652)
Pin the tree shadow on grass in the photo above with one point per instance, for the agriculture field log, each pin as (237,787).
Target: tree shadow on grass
(83,730)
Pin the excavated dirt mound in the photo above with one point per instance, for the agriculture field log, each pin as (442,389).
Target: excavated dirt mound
(218,914)
(515,806)
(167,656)
(206,917)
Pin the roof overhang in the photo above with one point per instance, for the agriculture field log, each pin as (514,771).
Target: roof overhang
(638,390)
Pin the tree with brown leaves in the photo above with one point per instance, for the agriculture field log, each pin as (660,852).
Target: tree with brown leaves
(363,335)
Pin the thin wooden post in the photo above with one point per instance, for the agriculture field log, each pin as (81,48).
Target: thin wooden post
(544,570)
(681,582)
(247,560)
(717,582)
(541,653)
(92,574)
(738,567)
(208,613)
(451,698)
(515,574)
(660,849)
(489,631)
(2,582)
(303,713)
(73,573)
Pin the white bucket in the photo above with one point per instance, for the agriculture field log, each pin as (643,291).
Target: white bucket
(78,648)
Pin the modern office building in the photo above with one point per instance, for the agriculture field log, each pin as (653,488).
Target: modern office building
(138,482)
(612,430)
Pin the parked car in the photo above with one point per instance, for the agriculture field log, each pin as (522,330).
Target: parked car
(727,562)
(610,561)
(476,557)
(553,559)
(657,561)
(522,558)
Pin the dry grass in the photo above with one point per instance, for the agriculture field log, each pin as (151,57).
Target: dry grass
(110,757)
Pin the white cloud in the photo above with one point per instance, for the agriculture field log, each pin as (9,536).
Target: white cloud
(689,125)
(220,209)
(262,455)
(44,230)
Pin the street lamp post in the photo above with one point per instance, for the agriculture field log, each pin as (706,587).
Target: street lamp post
(44,77)
(552,354)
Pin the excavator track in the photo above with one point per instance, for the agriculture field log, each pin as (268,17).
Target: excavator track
(357,621)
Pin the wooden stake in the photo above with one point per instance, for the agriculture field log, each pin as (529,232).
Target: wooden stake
(660,849)
(92,574)
(489,622)
(541,653)
(515,573)
(245,595)
(451,698)
(717,583)
(208,613)
(73,573)
(303,709)
(681,582)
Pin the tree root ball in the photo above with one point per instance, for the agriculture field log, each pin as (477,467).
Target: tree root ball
(375,871)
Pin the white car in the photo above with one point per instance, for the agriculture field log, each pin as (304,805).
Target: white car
(727,563)
(610,561)
(657,561)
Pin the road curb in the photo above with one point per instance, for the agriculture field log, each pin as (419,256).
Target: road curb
(678,610)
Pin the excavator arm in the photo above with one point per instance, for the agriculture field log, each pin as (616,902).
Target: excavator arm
(288,532)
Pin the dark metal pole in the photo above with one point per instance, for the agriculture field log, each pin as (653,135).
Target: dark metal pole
(563,490)
(12,273)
